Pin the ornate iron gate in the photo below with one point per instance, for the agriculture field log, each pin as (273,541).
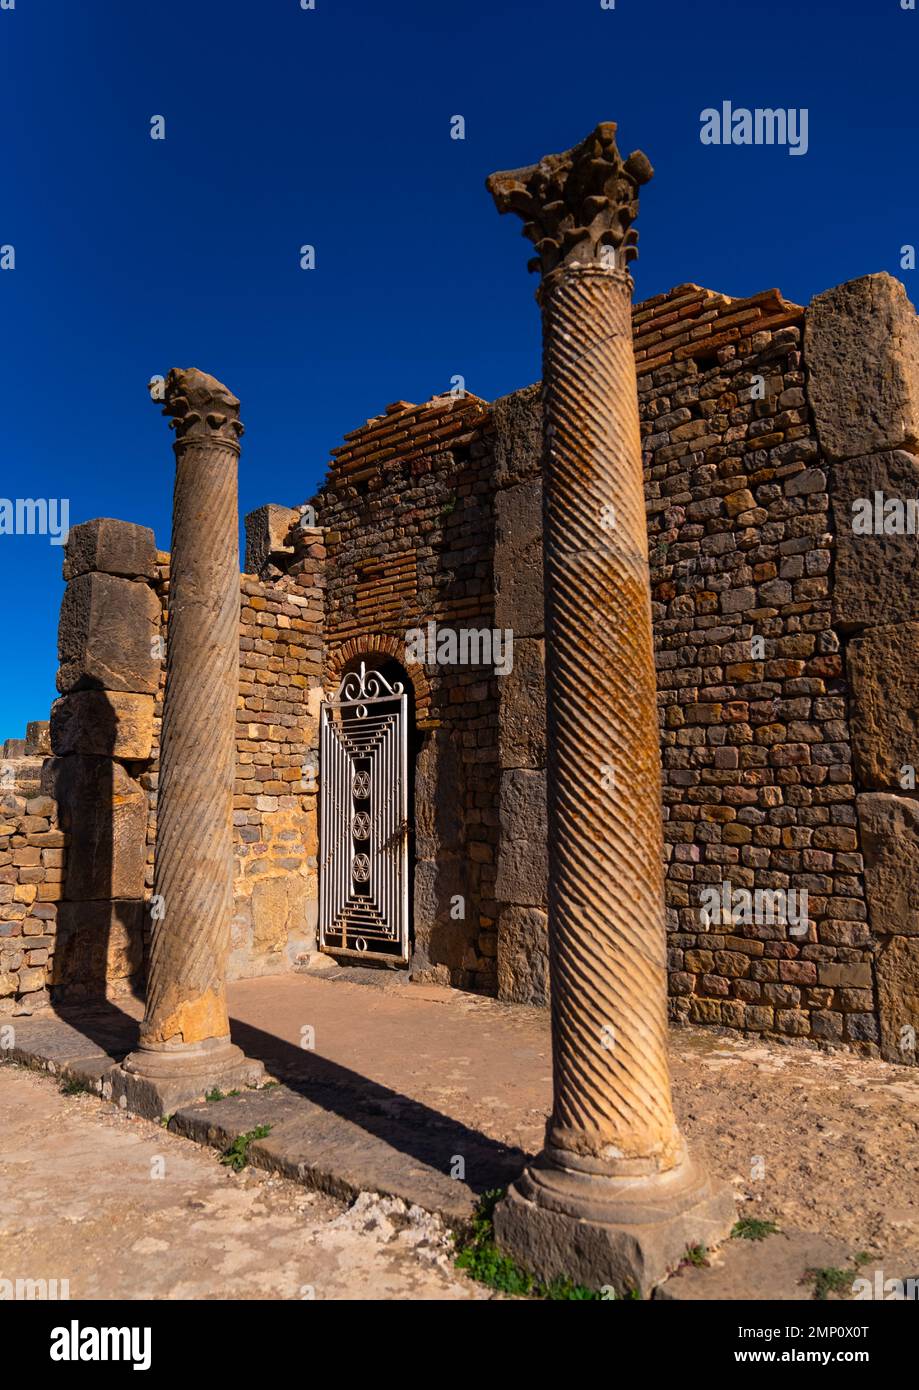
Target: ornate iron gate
(363,827)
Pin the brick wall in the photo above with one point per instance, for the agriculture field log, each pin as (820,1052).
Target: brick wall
(407,516)
(757,760)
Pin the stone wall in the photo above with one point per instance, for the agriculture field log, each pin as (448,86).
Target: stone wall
(434,512)
(786,658)
(32,851)
(862,357)
(756,749)
(78,829)
(110,655)
(277,749)
(274,806)
(787,681)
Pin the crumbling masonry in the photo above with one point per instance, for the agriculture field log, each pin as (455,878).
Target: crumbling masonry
(787,683)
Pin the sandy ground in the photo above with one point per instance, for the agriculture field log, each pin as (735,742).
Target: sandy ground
(124,1210)
(837,1136)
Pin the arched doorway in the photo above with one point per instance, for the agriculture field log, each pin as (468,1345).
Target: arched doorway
(364,816)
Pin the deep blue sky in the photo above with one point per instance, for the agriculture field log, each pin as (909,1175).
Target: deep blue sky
(332,127)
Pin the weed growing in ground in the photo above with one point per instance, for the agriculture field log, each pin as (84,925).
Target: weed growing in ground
(479,1256)
(828,1280)
(750,1228)
(237,1155)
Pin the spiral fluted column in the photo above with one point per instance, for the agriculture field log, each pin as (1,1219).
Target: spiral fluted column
(613,1198)
(185,1036)
(612,1085)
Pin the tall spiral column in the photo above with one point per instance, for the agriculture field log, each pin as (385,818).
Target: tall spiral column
(613,1198)
(185,1046)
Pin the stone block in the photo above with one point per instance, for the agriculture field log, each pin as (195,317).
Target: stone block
(439,819)
(522,707)
(110,547)
(443,931)
(897,973)
(518,567)
(267,535)
(106,635)
(523,871)
(104,723)
(876,577)
(99,952)
(861,350)
(523,956)
(518,435)
(277,908)
(38,737)
(890,845)
(628,1232)
(883,669)
(30,980)
(105,813)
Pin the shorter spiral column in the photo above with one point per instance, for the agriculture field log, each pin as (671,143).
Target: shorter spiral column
(185,1049)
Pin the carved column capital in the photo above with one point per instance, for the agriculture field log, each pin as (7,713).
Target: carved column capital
(203,409)
(578,207)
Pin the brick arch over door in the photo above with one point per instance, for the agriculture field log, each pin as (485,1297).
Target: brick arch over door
(381,645)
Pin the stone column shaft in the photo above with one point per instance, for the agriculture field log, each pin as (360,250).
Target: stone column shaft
(193,865)
(607,942)
(185,1037)
(613,1198)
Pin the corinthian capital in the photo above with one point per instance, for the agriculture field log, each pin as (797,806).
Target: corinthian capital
(577,204)
(201,407)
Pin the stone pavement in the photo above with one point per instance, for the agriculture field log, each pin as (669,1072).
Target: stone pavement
(121,1209)
(434,1096)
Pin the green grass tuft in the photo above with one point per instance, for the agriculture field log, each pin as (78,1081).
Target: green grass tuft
(750,1228)
(480,1257)
(237,1155)
(827,1279)
(72,1087)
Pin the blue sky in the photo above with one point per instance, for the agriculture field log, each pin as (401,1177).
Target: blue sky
(331,127)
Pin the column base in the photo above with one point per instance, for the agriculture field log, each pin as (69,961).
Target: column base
(157,1081)
(599,1228)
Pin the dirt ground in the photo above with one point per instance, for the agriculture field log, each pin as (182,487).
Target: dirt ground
(837,1136)
(124,1210)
